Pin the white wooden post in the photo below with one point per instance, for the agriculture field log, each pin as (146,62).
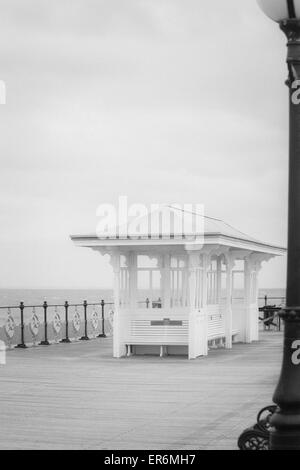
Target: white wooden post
(133,280)
(119,350)
(193,327)
(124,282)
(255,288)
(257,260)
(185,283)
(192,280)
(228,310)
(247,274)
(166,280)
(198,345)
(206,265)
(219,280)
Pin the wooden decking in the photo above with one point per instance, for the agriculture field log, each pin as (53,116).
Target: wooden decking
(77,396)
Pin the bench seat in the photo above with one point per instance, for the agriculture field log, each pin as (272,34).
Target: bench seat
(161,342)
(154,342)
(213,336)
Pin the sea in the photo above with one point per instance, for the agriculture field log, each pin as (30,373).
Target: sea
(13,297)
(33,299)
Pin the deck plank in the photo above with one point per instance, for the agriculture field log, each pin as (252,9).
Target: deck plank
(76,396)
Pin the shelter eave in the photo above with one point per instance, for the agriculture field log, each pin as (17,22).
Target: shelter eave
(92,241)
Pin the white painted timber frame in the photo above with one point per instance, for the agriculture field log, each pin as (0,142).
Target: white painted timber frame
(188,323)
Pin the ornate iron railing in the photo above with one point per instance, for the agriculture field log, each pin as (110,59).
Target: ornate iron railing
(22,325)
(267,299)
(44,324)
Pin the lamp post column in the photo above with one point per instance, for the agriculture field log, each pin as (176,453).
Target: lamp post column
(285,433)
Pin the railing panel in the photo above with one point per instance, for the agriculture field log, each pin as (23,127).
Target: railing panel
(24,325)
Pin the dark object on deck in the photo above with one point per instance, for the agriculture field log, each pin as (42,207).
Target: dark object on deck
(257,437)
(270,315)
(156,303)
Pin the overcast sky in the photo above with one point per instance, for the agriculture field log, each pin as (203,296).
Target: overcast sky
(159,100)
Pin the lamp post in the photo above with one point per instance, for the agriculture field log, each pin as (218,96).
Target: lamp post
(285,431)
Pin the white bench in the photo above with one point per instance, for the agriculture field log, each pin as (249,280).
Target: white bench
(161,344)
(165,332)
(158,332)
(221,336)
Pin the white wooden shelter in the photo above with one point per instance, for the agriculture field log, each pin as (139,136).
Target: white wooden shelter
(189,282)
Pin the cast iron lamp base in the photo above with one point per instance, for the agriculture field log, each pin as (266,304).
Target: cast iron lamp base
(257,437)
(281,429)
(285,423)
